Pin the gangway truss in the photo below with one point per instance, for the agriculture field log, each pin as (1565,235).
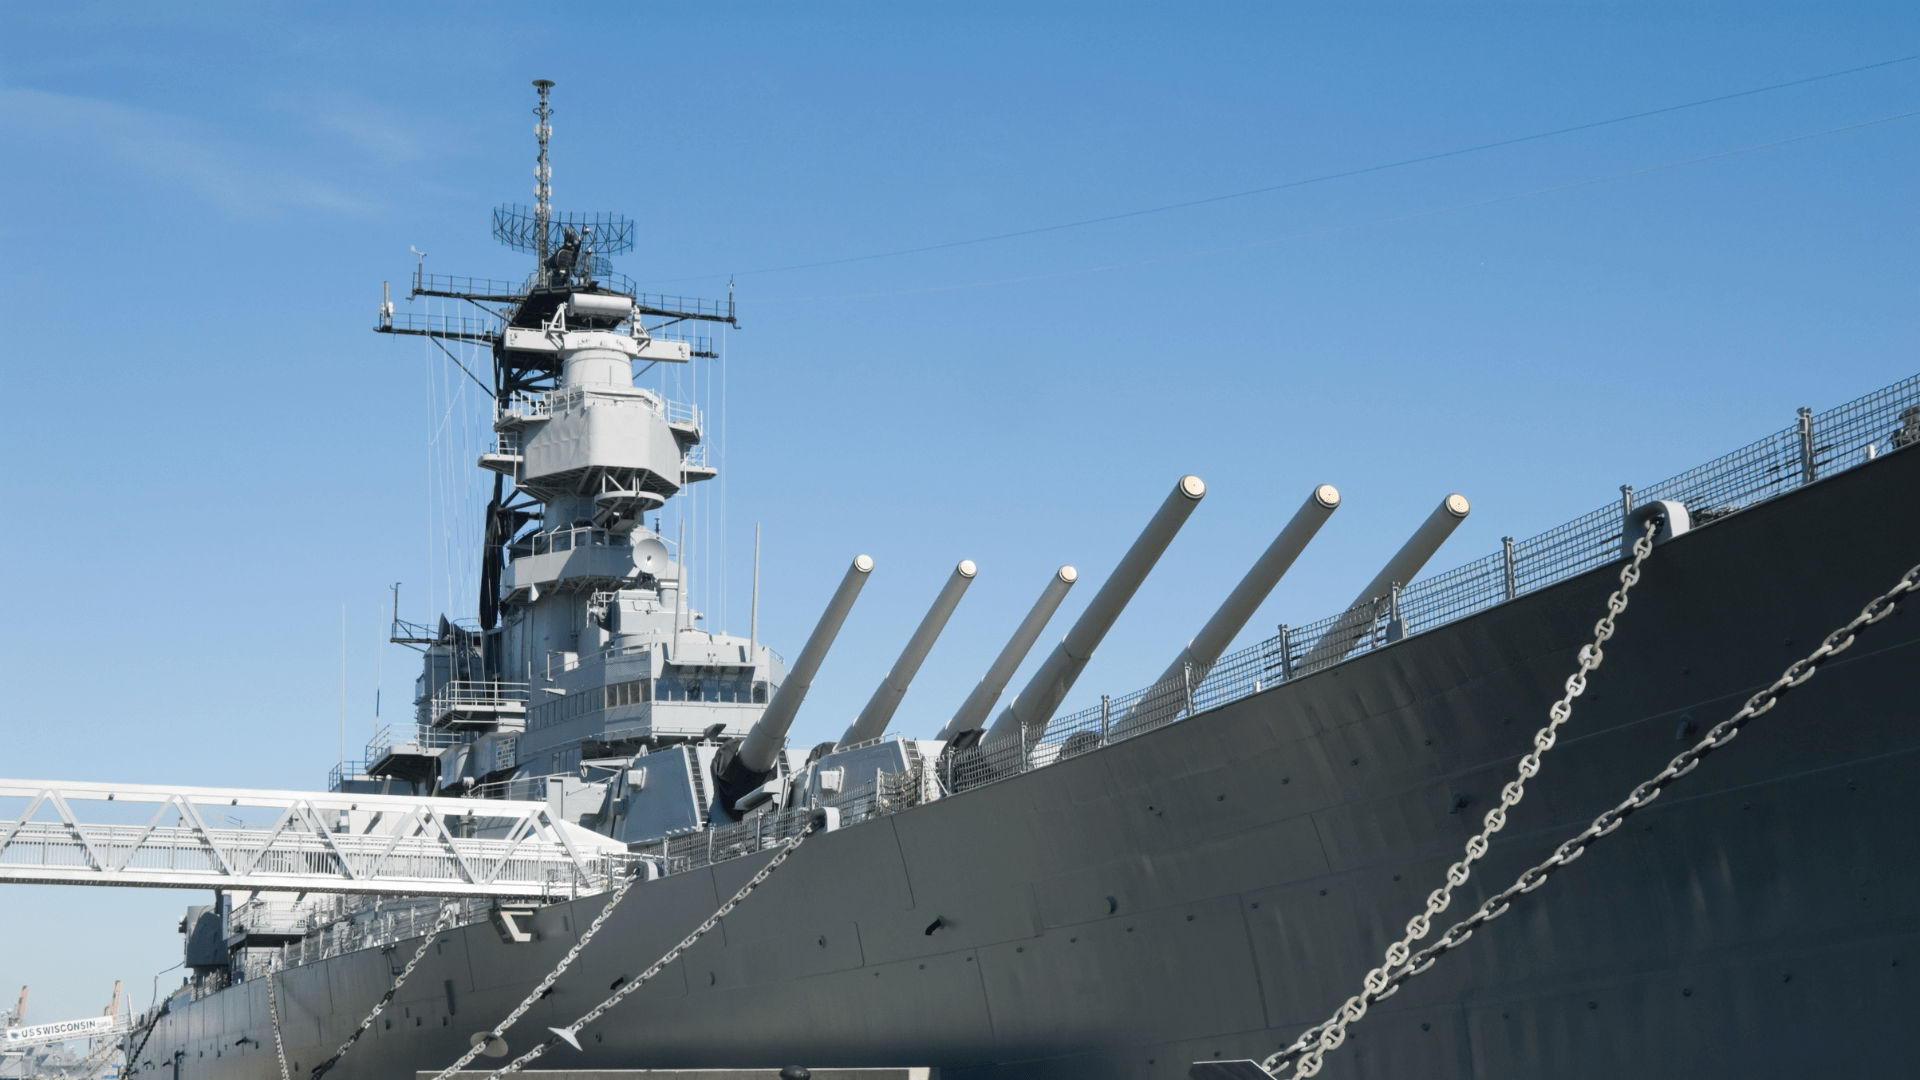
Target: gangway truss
(156,836)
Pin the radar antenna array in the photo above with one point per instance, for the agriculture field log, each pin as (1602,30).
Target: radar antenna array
(519,228)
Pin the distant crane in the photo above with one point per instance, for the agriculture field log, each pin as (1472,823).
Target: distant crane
(103,1028)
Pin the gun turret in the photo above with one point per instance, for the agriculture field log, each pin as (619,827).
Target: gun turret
(1194,661)
(746,764)
(1033,707)
(972,714)
(872,721)
(1338,641)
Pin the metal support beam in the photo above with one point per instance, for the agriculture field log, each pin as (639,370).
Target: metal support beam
(300,841)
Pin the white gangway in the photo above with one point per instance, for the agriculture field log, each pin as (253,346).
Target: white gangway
(150,835)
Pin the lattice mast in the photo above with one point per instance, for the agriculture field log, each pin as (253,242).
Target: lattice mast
(543,173)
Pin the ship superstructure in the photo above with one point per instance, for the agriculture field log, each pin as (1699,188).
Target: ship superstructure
(587,650)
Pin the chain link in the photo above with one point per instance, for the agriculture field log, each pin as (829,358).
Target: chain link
(568,1033)
(1720,735)
(1375,986)
(134,1057)
(546,984)
(448,913)
(273,1011)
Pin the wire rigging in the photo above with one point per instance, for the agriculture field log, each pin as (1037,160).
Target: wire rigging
(1328,177)
(1333,230)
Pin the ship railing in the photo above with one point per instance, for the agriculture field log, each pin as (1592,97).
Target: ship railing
(614,652)
(883,794)
(457,693)
(455,327)
(682,412)
(518,788)
(660,304)
(270,914)
(466,288)
(528,405)
(342,772)
(1817,446)
(521,405)
(384,741)
(463,702)
(336,928)
(699,345)
(566,539)
(334,925)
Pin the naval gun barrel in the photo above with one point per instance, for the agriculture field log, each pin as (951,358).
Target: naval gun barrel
(1338,641)
(761,747)
(1194,661)
(1034,706)
(973,711)
(872,721)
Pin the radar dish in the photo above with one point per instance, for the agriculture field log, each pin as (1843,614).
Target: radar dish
(518,227)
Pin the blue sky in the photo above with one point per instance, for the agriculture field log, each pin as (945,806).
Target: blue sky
(215,455)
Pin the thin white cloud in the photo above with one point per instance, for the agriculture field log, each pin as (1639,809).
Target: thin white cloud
(376,134)
(160,148)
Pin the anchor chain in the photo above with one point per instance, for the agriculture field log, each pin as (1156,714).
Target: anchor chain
(273,1011)
(1531,879)
(1332,1033)
(568,1034)
(135,1056)
(546,984)
(448,913)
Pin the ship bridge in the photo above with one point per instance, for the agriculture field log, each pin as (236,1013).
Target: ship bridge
(146,835)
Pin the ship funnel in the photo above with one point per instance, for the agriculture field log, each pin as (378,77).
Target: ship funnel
(872,721)
(1337,642)
(748,765)
(1033,707)
(1191,666)
(973,711)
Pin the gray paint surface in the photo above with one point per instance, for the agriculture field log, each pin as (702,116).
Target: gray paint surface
(1756,920)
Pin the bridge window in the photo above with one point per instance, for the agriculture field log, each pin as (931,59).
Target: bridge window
(635,692)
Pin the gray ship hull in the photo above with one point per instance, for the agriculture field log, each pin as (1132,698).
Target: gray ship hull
(1212,888)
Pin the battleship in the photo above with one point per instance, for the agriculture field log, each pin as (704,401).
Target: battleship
(594,848)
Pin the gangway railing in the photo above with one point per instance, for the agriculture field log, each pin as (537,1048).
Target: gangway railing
(231,838)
